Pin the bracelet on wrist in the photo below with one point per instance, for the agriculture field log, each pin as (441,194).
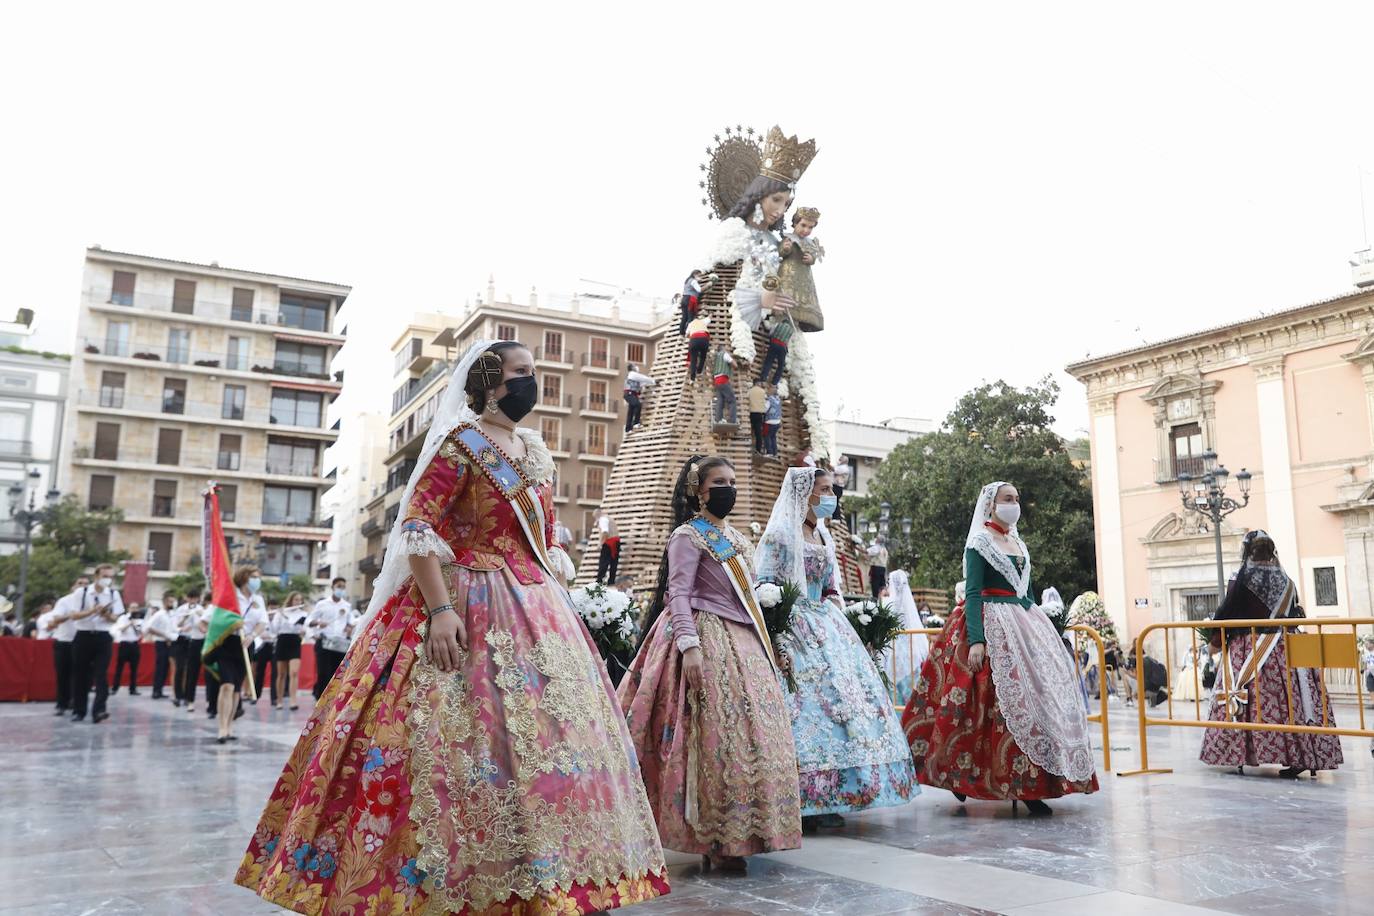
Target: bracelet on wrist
(436,611)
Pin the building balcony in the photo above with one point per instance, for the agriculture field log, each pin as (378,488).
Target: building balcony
(172,309)
(560,495)
(372,527)
(560,448)
(204,463)
(184,359)
(595,451)
(296,519)
(555,404)
(413,387)
(599,408)
(587,495)
(600,364)
(16,449)
(118,401)
(554,359)
(370,565)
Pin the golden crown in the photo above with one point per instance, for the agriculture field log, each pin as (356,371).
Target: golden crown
(807,213)
(786,158)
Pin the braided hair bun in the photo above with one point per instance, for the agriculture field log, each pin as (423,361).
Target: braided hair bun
(487,372)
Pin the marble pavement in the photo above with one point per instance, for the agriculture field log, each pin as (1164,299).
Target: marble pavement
(146,814)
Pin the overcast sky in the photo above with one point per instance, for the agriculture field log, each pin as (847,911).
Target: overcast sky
(1005,188)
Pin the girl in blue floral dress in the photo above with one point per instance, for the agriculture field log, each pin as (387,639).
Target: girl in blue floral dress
(850,748)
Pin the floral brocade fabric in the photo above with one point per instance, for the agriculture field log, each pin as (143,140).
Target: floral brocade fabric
(506,787)
(720,769)
(1270,697)
(850,748)
(958,735)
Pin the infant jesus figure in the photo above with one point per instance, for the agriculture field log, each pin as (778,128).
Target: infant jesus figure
(799,251)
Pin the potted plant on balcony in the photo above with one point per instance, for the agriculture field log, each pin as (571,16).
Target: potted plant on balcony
(144,354)
(210,363)
(92,348)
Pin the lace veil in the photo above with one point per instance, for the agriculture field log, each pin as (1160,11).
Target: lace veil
(780,556)
(981,541)
(453,411)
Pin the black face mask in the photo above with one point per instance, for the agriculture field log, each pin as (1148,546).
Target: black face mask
(721,501)
(521,394)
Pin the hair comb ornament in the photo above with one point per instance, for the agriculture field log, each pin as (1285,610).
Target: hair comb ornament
(694,476)
(486,371)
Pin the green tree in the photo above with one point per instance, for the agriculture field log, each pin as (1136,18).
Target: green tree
(191,582)
(80,532)
(273,590)
(995,432)
(51,573)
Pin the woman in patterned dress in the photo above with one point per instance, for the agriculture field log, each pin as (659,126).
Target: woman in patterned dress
(469,757)
(702,696)
(1273,692)
(850,748)
(997,712)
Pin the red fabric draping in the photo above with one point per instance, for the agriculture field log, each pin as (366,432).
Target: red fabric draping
(26,672)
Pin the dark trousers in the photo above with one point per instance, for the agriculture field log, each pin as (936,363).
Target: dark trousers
(634,408)
(91,667)
(188,668)
(697,350)
(162,657)
(62,667)
(261,659)
(127,654)
(839,497)
(326,663)
(756,427)
(211,685)
(770,439)
(877,579)
(776,359)
(607,563)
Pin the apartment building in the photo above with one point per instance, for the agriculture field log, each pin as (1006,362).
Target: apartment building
(183,373)
(33,401)
(582,346)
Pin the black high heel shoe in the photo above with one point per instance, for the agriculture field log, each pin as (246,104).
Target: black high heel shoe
(961,796)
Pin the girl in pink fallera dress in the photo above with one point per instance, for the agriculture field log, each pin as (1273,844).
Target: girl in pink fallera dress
(703,700)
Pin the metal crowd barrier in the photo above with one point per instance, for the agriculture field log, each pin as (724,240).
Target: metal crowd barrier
(1319,650)
(1080,632)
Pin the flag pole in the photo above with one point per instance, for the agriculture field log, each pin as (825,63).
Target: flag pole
(252,692)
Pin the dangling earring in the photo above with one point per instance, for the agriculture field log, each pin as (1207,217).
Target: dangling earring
(758,214)
(492,407)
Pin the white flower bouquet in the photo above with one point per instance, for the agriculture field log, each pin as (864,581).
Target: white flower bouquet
(612,618)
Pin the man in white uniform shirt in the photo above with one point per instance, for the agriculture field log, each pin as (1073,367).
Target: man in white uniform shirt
(62,627)
(193,626)
(96,607)
(331,620)
(161,629)
(128,633)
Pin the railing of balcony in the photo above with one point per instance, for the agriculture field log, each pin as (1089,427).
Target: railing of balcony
(554,356)
(119,399)
(205,308)
(599,405)
(564,401)
(193,460)
(185,356)
(598,360)
(19,447)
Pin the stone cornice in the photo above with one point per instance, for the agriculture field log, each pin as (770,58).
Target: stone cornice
(1346,318)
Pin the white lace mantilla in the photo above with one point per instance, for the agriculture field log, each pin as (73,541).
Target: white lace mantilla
(1019,578)
(1037,689)
(538,461)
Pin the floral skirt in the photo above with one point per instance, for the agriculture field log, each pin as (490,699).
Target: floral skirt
(1233,747)
(958,735)
(850,748)
(720,769)
(507,787)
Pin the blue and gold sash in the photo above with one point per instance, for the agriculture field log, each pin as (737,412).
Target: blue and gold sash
(521,494)
(725,553)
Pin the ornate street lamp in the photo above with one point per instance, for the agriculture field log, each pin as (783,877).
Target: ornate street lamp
(29,517)
(1206,495)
